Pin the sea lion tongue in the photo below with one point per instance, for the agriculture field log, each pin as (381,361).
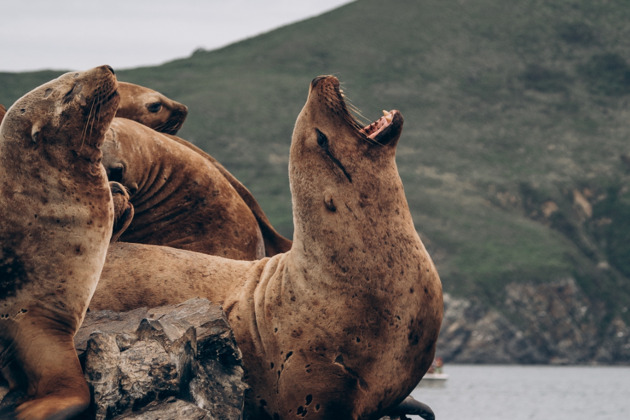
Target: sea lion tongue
(386,129)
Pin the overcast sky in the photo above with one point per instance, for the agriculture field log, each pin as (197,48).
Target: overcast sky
(80,34)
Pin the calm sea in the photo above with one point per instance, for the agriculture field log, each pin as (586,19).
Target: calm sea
(529,392)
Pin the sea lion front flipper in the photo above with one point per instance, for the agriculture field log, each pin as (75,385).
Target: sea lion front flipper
(61,392)
(123,209)
(411,406)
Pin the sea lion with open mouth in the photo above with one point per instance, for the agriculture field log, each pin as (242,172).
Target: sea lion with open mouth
(342,326)
(150,108)
(183,198)
(55,228)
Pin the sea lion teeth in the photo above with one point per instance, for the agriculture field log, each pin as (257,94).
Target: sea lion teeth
(377,126)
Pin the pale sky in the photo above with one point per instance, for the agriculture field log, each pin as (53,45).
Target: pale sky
(80,34)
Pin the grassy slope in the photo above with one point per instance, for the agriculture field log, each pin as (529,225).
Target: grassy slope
(507,106)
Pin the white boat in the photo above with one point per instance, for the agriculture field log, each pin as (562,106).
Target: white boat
(438,377)
(435,377)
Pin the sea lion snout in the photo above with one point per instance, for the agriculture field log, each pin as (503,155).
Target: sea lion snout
(384,131)
(328,78)
(151,108)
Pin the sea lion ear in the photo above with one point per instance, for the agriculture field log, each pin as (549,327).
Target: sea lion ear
(35,132)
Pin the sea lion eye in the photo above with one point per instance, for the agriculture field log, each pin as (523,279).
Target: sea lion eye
(154,107)
(322,140)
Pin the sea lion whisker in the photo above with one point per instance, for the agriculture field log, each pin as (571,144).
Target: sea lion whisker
(358,115)
(88,121)
(356,119)
(6,353)
(161,128)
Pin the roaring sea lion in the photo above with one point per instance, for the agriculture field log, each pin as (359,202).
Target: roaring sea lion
(55,227)
(342,326)
(182,198)
(150,108)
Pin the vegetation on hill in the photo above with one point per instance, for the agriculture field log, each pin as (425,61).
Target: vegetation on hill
(514,155)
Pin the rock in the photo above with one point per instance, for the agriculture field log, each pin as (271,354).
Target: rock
(550,323)
(178,361)
(171,408)
(181,361)
(172,362)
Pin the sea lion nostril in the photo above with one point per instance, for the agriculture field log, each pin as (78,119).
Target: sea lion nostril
(110,69)
(318,79)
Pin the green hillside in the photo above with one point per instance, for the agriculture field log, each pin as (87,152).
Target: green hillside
(515,152)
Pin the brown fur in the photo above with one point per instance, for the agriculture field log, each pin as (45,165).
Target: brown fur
(3,111)
(150,108)
(274,242)
(56,222)
(343,325)
(182,198)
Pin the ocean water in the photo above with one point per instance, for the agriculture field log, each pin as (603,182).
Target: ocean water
(529,392)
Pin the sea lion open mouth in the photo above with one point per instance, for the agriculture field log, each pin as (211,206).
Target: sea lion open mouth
(386,128)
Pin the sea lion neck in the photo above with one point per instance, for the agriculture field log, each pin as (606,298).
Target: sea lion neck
(346,191)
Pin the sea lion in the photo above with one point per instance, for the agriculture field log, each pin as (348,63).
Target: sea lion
(150,108)
(3,111)
(182,198)
(274,242)
(342,326)
(56,224)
